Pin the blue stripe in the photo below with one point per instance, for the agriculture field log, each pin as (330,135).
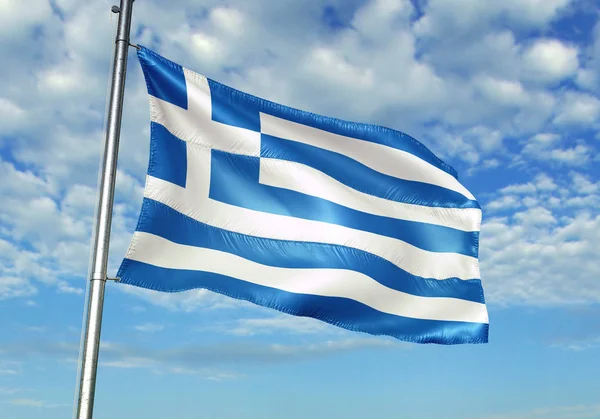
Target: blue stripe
(341,312)
(362,178)
(234,180)
(164,78)
(161,220)
(168,156)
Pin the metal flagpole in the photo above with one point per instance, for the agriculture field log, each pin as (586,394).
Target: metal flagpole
(91,344)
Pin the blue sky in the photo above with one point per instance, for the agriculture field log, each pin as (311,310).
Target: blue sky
(507,92)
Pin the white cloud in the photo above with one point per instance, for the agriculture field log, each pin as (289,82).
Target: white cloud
(577,155)
(227,19)
(11,115)
(330,346)
(555,412)
(484,165)
(158,367)
(579,344)
(65,288)
(541,142)
(535,217)
(130,362)
(9,390)
(210,374)
(61,81)
(37,403)
(209,359)
(588,77)
(505,92)
(278,324)
(578,109)
(523,188)
(504,203)
(469,145)
(376,17)
(534,12)
(22,184)
(11,287)
(9,367)
(149,327)
(37,329)
(548,147)
(57,232)
(583,185)
(328,65)
(441,16)
(7,371)
(204,45)
(549,60)
(16,19)
(543,182)
(534,254)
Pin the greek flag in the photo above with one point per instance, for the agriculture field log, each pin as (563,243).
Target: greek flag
(357,225)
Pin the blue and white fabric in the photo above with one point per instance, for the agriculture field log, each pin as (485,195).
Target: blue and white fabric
(357,225)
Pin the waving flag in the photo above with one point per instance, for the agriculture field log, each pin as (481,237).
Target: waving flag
(357,225)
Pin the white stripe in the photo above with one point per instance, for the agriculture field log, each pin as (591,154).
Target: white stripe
(387,160)
(157,251)
(193,201)
(305,179)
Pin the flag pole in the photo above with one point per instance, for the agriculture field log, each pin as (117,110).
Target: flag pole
(91,339)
